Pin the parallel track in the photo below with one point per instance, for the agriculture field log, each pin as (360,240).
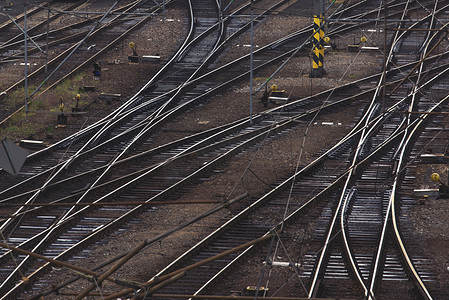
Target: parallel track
(343,261)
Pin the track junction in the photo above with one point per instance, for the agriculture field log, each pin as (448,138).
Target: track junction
(338,217)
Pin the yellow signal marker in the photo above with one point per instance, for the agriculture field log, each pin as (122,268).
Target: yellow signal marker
(435,177)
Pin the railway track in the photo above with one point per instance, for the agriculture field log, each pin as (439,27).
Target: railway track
(69,53)
(162,177)
(336,260)
(162,93)
(358,231)
(4,224)
(362,159)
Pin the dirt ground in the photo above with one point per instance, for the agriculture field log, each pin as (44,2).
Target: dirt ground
(273,161)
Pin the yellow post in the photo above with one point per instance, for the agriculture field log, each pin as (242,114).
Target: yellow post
(316,72)
(321,47)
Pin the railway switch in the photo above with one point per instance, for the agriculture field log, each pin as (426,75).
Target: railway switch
(435,177)
(134,58)
(274,95)
(277,96)
(443,189)
(62,119)
(356,47)
(77,99)
(61,104)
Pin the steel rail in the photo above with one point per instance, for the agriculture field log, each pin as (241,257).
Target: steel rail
(149,119)
(149,241)
(392,203)
(180,183)
(74,48)
(101,176)
(143,89)
(344,200)
(30,12)
(7,44)
(139,135)
(370,293)
(85,131)
(343,226)
(275,191)
(207,141)
(107,47)
(114,115)
(344,229)
(240,123)
(195,265)
(188,81)
(116,137)
(57,31)
(294,215)
(43,187)
(61,219)
(431,26)
(404,132)
(160,195)
(15,42)
(283,107)
(67,265)
(149,125)
(138,156)
(59,57)
(39,244)
(391,210)
(287,105)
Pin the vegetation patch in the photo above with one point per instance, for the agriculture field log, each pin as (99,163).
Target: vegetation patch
(44,108)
